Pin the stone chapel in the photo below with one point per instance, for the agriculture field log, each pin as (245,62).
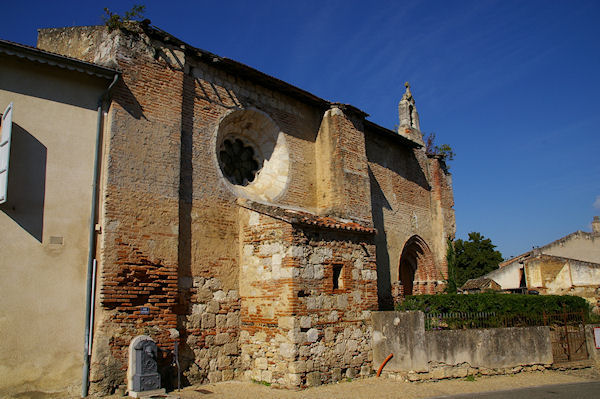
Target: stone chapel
(250,221)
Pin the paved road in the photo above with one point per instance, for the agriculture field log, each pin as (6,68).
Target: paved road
(584,390)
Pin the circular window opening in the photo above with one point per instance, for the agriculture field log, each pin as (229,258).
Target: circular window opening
(238,162)
(251,155)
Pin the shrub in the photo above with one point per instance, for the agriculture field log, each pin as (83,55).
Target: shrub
(501,304)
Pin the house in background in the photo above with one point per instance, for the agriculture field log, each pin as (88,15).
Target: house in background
(567,266)
(46,214)
(478,285)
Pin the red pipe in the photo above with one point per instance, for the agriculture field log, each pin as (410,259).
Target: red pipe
(384,362)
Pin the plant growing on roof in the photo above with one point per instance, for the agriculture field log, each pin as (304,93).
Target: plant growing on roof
(444,150)
(115,21)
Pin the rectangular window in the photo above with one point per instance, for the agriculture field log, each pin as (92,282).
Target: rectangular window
(338,281)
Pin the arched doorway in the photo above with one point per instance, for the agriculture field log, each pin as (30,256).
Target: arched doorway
(417,272)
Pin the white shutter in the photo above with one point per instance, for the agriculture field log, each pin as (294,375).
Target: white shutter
(5,151)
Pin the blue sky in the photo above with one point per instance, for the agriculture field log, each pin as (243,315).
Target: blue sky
(512,86)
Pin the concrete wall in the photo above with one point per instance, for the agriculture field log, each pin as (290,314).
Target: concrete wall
(403,334)
(44,224)
(591,343)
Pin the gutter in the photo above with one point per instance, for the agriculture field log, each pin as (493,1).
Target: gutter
(89,296)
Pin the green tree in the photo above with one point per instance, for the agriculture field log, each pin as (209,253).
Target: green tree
(475,257)
(451,260)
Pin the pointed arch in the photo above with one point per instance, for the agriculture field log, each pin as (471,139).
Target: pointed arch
(417,271)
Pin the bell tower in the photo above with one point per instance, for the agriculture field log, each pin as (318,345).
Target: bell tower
(409,126)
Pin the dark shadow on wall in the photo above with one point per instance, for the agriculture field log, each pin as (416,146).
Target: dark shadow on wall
(26,182)
(127,100)
(184,255)
(384,284)
(397,158)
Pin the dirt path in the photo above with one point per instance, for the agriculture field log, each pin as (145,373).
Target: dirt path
(382,388)
(379,388)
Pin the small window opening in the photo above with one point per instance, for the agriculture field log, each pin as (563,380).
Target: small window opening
(337,277)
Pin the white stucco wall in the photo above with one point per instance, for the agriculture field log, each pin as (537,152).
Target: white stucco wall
(580,246)
(44,225)
(508,276)
(585,274)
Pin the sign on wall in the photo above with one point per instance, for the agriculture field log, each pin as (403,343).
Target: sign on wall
(597,337)
(5,151)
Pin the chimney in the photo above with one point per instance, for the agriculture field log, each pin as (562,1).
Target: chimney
(596,225)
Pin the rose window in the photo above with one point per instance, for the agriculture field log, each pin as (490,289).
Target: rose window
(238,162)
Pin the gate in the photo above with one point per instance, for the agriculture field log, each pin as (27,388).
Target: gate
(567,334)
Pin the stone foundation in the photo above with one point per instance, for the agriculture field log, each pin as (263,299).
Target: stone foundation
(212,331)
(440,371)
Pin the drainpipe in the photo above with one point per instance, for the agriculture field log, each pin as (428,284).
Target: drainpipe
(91,246)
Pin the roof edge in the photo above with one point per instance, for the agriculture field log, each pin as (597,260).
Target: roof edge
(391,134)
(552,243)
(45,57)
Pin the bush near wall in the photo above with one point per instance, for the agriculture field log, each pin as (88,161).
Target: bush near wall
(500,304)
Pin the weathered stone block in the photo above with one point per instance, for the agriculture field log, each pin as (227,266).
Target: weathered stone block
(336,374)
(286,322)
(222,338)
(350,372)
(227,375)
(215,376)
(267,376)
(204,295)
(223,362)
(213,307)
(208,320)
(221,320)
(287,350)
(219,296)
(293,380)
(329,334)
(312,335)
(313,379)
(261,363)
(230,348)
(297,367)
(233,319)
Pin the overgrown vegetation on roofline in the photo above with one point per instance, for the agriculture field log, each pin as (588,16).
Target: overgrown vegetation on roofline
(444,151)
(115,21)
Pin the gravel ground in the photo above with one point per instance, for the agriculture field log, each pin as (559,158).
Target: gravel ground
(380,388)
(383,388)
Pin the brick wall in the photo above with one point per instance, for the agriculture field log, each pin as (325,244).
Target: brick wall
(246,292)
(299,328)
(411,196)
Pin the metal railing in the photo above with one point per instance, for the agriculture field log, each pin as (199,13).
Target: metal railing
(472,320)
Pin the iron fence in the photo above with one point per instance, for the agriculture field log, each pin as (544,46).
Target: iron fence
(472,320)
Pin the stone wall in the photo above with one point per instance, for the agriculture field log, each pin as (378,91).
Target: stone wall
(211,350)
(307,297)
(455,353)
(271,279)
